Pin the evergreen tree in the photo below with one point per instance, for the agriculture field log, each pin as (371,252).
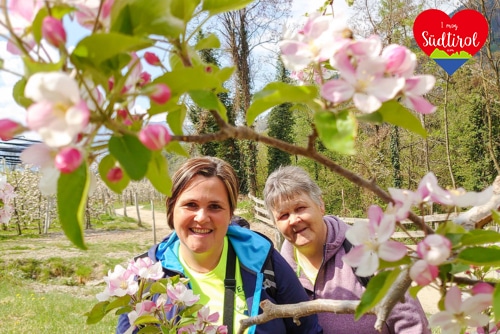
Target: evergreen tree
(280,123)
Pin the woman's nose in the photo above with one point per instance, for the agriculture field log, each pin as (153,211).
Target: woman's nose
(201,216)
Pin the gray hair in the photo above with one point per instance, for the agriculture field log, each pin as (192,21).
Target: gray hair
(285,183)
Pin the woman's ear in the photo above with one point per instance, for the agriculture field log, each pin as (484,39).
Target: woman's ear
(322,206)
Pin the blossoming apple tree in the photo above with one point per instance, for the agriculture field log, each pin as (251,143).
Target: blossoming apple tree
(74,94)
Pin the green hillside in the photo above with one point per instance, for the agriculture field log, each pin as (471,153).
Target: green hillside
(443,55)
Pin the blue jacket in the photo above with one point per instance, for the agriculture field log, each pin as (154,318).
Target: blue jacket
(253,251)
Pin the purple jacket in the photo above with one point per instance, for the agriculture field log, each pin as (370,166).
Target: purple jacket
(336,280)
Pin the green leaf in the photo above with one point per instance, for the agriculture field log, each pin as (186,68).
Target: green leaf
(72,191)
(496,303)
(175,119)
(158,287)
(146,319)
(118,302)
(480,237)
(132,155)
(18,93)
(97,48)
(480,256)
(105,165)
(184,9)
(277,93)
(208,100)
(146,17)
(336,131)
(150,329)
(219,6)
(97,313)
(158,173)
(375,291)
(185,79)
(414,290)
(211,41)
(190,310)
(31,67)
(176,147)
(395,113)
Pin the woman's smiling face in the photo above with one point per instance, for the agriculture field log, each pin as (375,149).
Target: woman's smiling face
(201,216)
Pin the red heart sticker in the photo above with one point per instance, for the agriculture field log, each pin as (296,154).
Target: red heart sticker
(450,41)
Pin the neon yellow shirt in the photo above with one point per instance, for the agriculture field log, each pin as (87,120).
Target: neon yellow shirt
(210,287)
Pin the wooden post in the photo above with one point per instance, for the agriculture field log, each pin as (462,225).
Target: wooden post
(124,200)
(154,222)
(139,222)
(47,215)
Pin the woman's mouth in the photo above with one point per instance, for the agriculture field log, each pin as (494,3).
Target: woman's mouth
(200,230)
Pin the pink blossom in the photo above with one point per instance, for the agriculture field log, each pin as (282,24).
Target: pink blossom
(53,31)
(43,156)
(462,198)
(9,128)
(399,60)
(413,90)
(145,268)
(161,93)
(120,282)
(435,249)
(429,191)
(423,273)
(7,195)
(460,313)
(143,308)
(181,295)
(21,15)
(154,136)
(371,241)
(151,58)
(364,48)
(365,84)
(68,159)
(403,201)
(316,42)
(144,78)
(482,287)
(205,316)
(115,174)
(87,10)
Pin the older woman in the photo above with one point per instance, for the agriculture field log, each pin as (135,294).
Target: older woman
(314,246)
(204,197)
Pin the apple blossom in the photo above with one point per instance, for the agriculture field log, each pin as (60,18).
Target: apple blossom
(87,11)
(371,241)
(120,282)
(154,136)
(151,58)
(403,201)
(435,249)
(146,269)
(423,273)
(399,60)
(68,159)
(43,156)
(115,174)
(460,313)
(181,295)
(9,128)
(142,308)
(365,84)
(413,90)
(161,93)
(21,16)
(316,42)
(53,31)
(7,194)
(482,287)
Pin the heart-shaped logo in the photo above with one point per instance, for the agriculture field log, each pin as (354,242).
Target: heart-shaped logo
(450,42)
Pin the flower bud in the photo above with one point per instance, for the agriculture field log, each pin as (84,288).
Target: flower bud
(53,31)
(482,287)
(68,159)
(423,273)
(115,174)
(154,136)
(435,249)
(144,78)
(399,59)
(9,128)
(152,59)
(161,93)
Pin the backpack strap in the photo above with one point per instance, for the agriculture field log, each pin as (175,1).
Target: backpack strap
(363,280)
(230,286)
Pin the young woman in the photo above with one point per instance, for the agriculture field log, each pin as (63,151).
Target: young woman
(314,245)
(204,197)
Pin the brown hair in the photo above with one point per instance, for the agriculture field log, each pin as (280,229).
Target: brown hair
(207,167)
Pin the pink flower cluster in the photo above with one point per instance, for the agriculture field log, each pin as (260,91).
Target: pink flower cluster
(366,73)
(134,281)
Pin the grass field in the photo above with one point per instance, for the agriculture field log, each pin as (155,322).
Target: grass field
(48,284)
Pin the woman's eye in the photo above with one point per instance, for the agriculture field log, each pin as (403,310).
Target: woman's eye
(215,207)
(283,216)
